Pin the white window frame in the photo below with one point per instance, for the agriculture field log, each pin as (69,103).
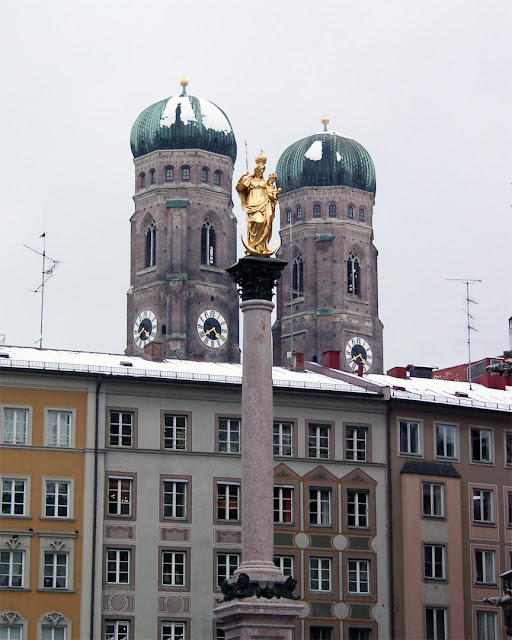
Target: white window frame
(481,431)
(286,564)
(28,424)
(282,440)
(116,633)
(54,622)
(483,500)
(177,630)
(280,501)
(177,560)
(317,496)
(229,442)
(488,573)
(443,430)
(12,480)
(227,489)
(56,558)
(177,441)
(11,621)
(322,568)
(358,575)
(58,481)
(48,438)
(227,564)
(12,558)
(51,542)
(433,499)
(354,452)
(170,488)
(436,612)
(120,424)
(113,556)
(319,444)
(358,509)
(115,496)
(434,556)
(409,449)
(489,634)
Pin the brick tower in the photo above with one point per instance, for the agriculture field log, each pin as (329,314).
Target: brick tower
(181,302)
(327,297)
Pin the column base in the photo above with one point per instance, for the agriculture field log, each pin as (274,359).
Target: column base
(253,618)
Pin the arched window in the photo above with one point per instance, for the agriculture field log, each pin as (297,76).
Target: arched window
(152,177)
(361,215)
(150,256)
(353,275)
(288,216)
(204,174)
(208,242)
(299,213)
(332,211)
(169,174)
(216,178)
(350,212)
(185,174)
(317,211)
(142,180)
(298,277)
(164,330)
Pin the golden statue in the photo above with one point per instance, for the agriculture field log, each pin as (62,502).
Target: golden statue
(258,198)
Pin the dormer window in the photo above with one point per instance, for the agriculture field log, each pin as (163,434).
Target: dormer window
(185,174)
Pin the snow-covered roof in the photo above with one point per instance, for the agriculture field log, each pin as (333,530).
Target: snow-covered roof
(134,366)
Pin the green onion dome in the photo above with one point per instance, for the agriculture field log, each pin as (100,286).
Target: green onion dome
(326,159)
(183,122)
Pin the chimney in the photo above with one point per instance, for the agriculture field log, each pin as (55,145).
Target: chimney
(397,372)
(298,362)
(331,359)
(154,351)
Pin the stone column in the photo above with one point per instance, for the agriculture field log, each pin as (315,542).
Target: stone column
(258,602)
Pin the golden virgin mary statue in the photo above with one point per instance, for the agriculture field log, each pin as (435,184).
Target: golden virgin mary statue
(258,198)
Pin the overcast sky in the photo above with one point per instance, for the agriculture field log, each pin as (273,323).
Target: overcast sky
(424,86)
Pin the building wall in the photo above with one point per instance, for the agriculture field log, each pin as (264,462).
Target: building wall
(326,315)
(34,532)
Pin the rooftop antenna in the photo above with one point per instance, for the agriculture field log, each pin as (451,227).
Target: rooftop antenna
(467,282)
(46,274)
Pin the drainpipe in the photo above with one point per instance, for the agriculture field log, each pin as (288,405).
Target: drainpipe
(389,408)
(95,501)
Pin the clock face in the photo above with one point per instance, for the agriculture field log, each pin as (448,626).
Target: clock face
(358,352)
(212,328)
(144,329)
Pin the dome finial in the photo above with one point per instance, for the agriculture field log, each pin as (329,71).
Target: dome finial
(325,121)
(184,83)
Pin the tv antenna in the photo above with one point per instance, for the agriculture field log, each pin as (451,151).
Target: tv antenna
(467,282)
(46,274)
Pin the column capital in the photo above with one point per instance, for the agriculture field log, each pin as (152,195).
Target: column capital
(256,277)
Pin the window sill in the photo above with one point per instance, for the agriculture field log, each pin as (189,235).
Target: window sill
(128,587)
(485,463)
(480,523)
(14,589)
(118,518)
(436,580)
(17,517)
(57,518)
(489,585)
(210,267)
(54,590)
(410,455)
(170,587)
(150,269)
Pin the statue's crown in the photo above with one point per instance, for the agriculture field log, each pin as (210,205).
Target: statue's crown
(261,158)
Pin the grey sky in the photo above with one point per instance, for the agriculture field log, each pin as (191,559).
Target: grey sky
(424,86)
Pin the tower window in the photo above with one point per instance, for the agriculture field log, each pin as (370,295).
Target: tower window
(361,215)
(208,242)
(288,216)
(298,277)
(150,258)
(169,174)
(142,178)
(350,212)
(185,174)
(204,175)
(216,178)
(299,213)
(317,212)
(332,211)
(353,275)
(152,176)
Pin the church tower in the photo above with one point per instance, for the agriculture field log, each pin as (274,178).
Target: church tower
(181,301)
(327,297)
